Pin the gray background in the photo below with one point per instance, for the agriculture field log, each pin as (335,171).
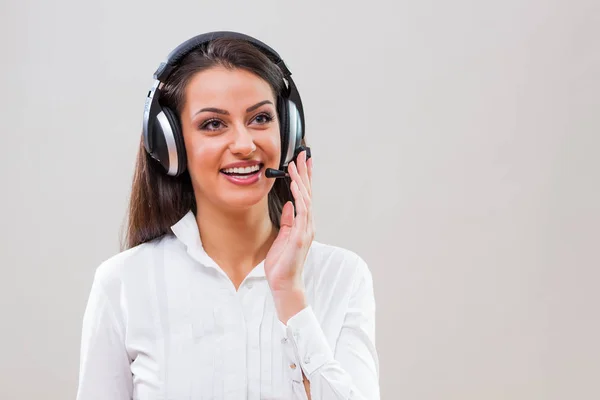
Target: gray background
(455,150)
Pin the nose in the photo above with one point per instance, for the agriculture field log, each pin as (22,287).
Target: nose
(242,142)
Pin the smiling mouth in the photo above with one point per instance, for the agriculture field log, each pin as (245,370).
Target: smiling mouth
(242,171)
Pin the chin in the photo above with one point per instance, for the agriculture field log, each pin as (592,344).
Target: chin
(228,195)
(242,201)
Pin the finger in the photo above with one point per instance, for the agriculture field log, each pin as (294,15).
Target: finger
(298,232)
(299,202)
(302,234)
(285,228)
(309,163)
(287,215)
(294,174)
(303,170)
(309,225)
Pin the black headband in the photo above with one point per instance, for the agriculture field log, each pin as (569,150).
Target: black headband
(175,57)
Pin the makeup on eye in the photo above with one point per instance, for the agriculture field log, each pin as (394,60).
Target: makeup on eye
(210,123)
(266,117)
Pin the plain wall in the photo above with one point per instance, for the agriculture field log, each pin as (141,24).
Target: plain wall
(455,147)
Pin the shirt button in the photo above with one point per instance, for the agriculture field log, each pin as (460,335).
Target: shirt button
(307,360)
(293,366)
(284,340)
(249,285)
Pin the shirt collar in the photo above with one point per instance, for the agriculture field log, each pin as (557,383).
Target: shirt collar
(186,230)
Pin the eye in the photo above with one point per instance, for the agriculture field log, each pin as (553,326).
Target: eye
(211,125)
(264,118)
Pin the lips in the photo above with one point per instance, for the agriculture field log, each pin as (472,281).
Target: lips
(242,173)
(242,170)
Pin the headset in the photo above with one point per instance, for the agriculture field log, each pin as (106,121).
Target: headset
(162,134)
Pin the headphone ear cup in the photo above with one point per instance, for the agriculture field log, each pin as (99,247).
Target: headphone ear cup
(295,128)
(292,133)
(168,149)
(282,112)
(179,146)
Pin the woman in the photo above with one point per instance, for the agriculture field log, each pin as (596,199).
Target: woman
(222,293)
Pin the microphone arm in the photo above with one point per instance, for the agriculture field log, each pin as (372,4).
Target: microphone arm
(278,173)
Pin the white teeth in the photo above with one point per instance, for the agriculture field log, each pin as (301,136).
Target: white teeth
(244,170)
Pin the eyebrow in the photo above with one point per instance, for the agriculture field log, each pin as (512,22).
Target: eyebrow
(225,112)
(254,107)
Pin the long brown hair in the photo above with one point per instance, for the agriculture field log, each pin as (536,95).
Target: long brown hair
(158,200)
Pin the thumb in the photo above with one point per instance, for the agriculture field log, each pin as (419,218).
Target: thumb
(287,215)
(287,220)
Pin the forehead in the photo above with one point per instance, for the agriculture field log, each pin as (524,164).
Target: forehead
(226,88)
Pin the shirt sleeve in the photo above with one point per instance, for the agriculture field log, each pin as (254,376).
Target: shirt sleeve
(352,372)
(104,368)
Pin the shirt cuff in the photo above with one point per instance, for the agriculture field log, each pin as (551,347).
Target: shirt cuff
(308,341)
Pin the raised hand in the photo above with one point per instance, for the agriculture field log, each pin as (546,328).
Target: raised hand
(285,260)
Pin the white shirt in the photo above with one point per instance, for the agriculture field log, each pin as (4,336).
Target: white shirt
(163,321)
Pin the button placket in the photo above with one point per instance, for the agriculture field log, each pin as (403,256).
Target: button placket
(252,305)
(296,372)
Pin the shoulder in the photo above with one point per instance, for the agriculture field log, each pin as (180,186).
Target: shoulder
(130,264)
(335,264)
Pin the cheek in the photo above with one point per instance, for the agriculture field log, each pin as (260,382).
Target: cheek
(271,145)
(203,156)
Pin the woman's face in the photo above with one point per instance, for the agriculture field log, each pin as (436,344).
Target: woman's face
(231,136)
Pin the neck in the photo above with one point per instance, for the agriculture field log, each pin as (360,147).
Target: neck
(237,240)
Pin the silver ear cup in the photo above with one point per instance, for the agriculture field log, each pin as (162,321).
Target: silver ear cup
(150,106)
(171,165)
(294,131)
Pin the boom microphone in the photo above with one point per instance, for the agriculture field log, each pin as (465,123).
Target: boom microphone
(278,173)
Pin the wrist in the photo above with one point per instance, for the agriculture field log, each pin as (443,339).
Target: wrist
(289,303)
